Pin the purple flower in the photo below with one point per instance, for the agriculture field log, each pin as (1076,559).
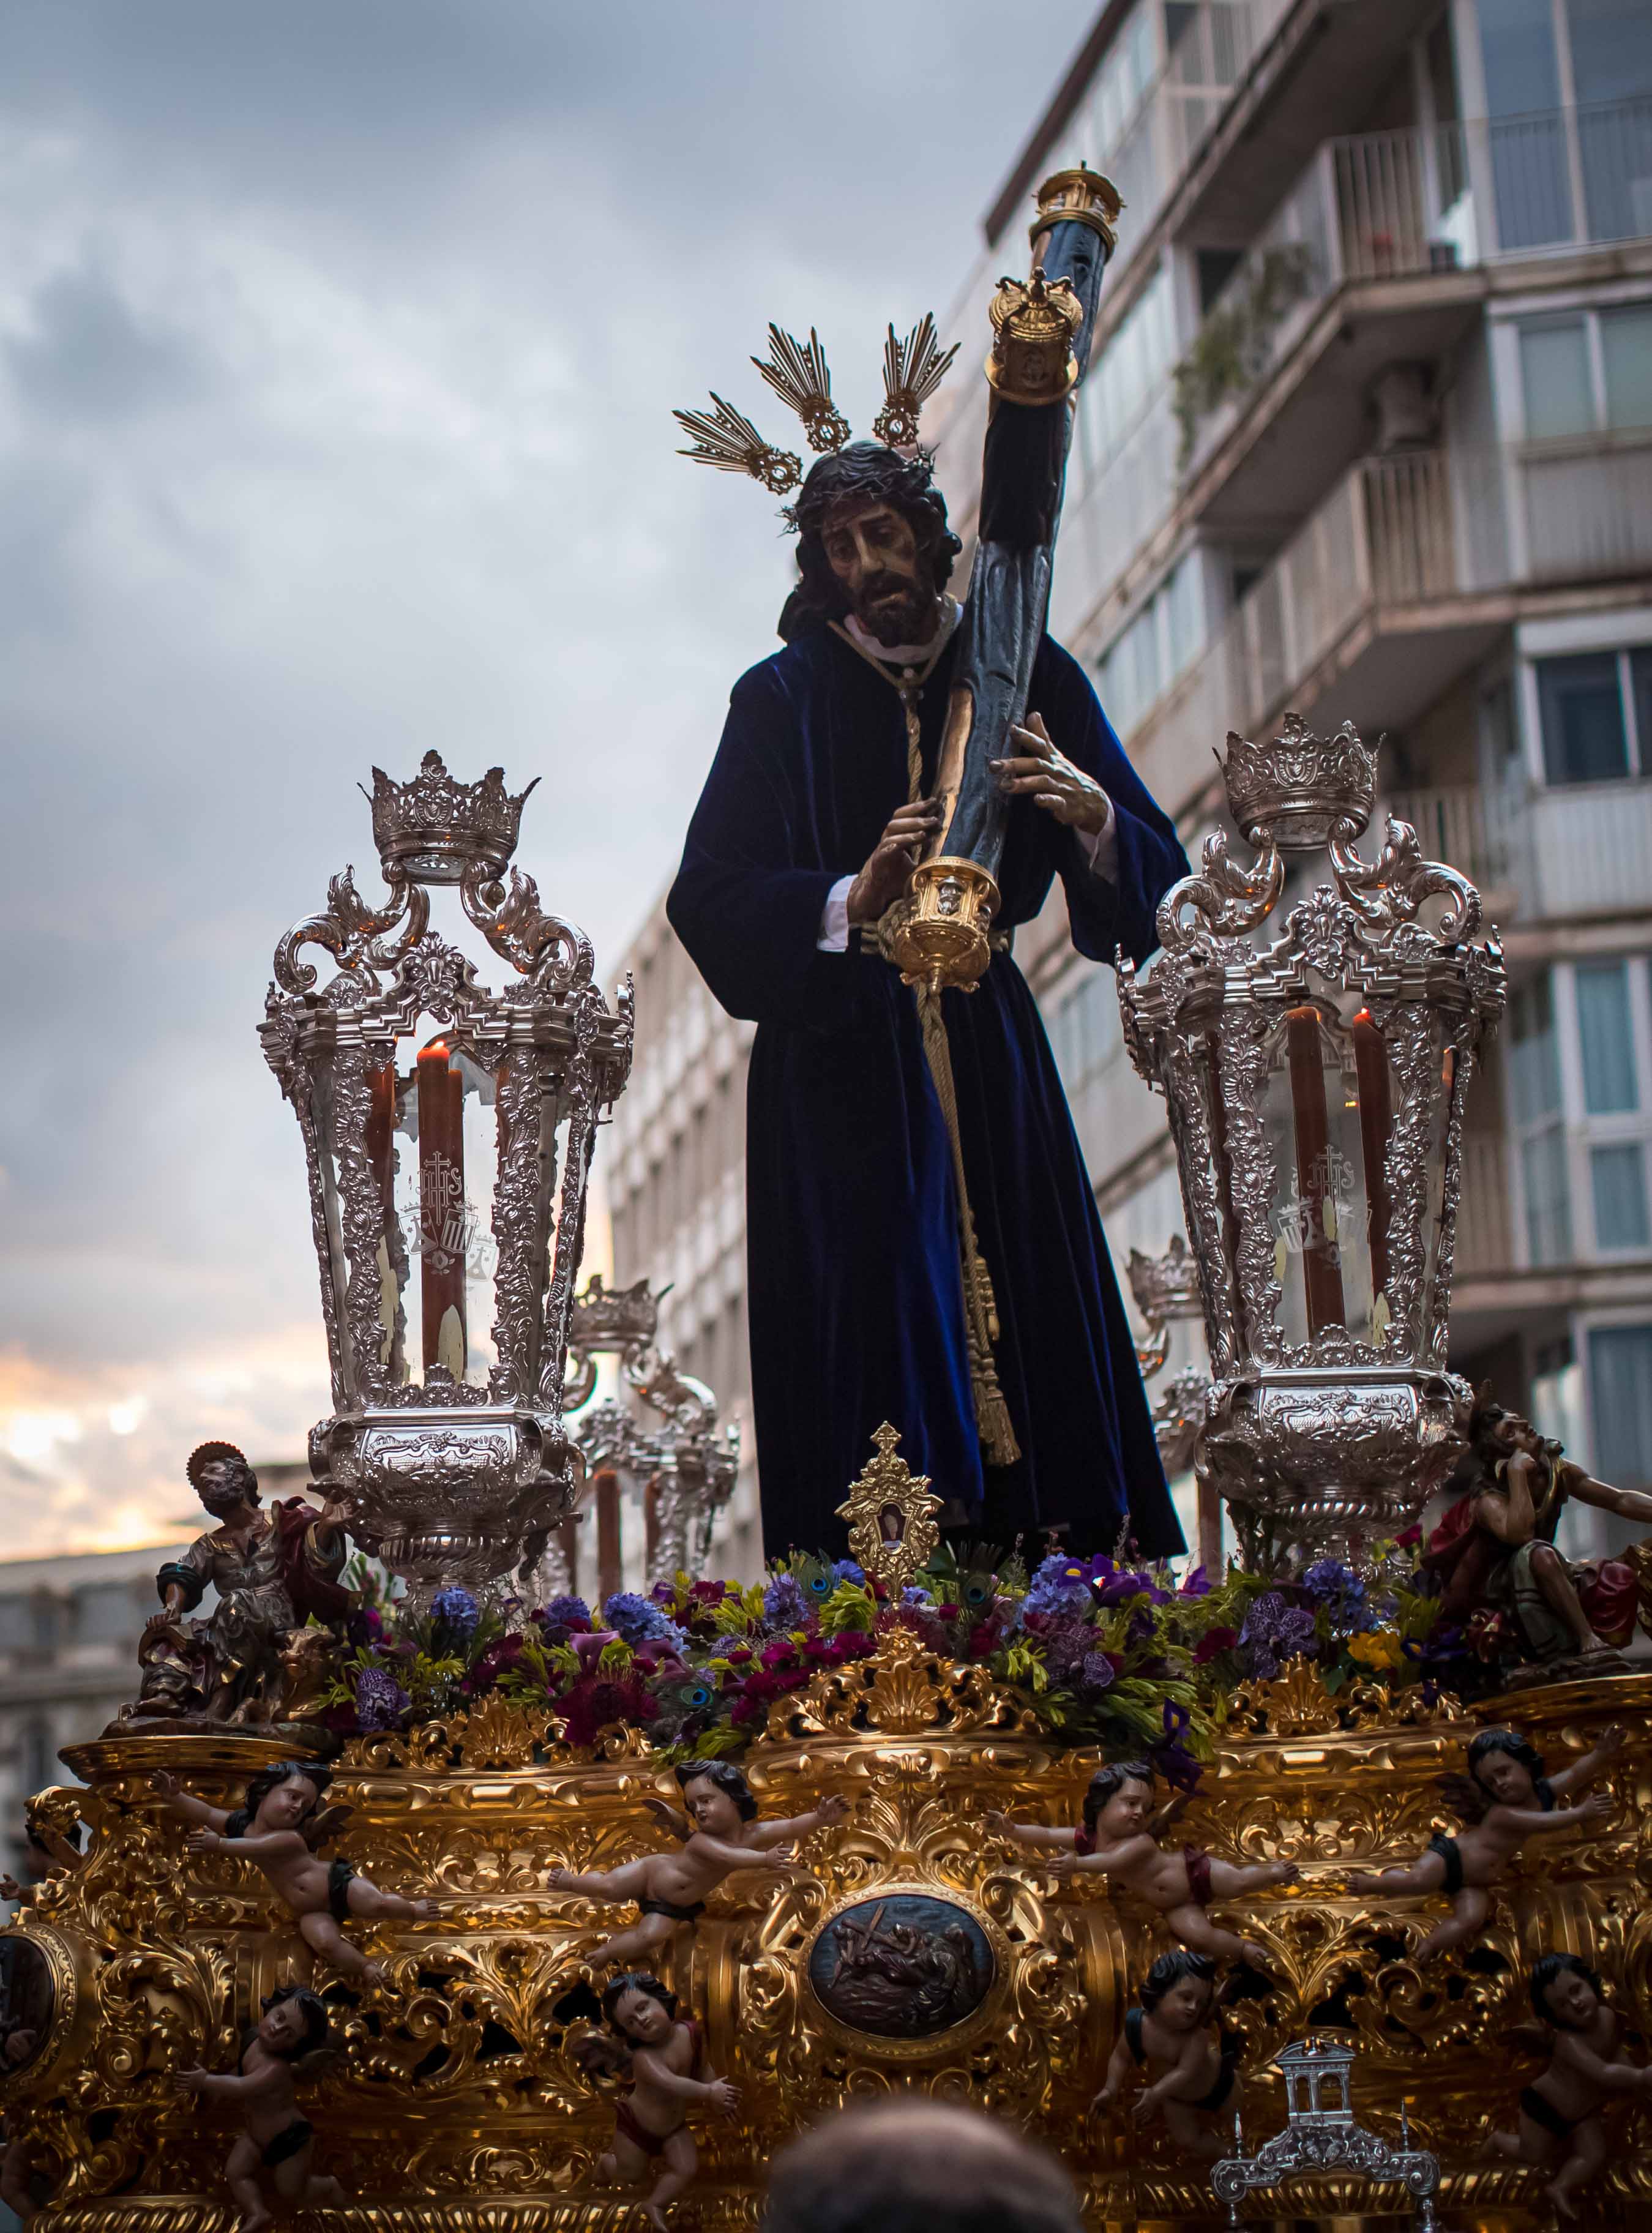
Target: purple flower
(1096,1672)
(1275,1632)
(564,1613)
(783,1603)
(1059,1585)
(1068,1639)
(637,1620)
(1113,1589)
(1195,1583)
(847,1571)
(1343,1594)
(455,1613)
(914,1595)
(381,1701)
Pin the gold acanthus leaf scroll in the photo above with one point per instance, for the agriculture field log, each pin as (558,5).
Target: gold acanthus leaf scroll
(1297,1704)
(891,1515)
(902,1690)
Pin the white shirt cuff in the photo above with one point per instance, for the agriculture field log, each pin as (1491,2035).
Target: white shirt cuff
(1101,848)
(834,920)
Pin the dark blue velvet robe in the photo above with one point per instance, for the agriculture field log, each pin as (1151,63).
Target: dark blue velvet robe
(855,1304)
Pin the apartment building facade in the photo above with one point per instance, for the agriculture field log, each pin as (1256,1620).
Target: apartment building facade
(1367,431)
(674,1173)
(69,1630)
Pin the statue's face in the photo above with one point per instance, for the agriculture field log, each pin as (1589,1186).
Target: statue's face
(889,583)
(643,2020)
(1186,2007)
(1571,2001)
(710,1809)
(288,1804)
(282,2027)
(1127,1811)
(1505,1780)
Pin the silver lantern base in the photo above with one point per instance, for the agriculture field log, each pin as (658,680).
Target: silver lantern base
(1328,1462)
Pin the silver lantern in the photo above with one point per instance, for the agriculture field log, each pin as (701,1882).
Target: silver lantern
(689,1467)
(448,1132)
(1166,1289)
(1315,1088)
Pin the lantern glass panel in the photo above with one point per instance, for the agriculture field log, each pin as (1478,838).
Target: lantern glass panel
(1320,1212)
(1443,1072)
(431,1138)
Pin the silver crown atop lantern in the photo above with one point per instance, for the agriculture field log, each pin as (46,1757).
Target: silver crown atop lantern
(1166,1286)
(1298,791)
(433,830)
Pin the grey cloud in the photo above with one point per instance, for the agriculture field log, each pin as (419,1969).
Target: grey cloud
(406,291)
(87,356)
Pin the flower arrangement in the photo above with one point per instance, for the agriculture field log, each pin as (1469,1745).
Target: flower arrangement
(1105,1652)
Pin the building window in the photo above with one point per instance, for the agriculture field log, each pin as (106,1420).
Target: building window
(1539,1127)
(1588,374)
(1085,1031)
(1131,372)
(1620,1386)
(1580,1092)
(1156,648)
(37,1758)
(1556,1392)
(1595,708)
(1538,147)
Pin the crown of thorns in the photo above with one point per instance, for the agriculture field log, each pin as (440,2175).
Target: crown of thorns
(912,370)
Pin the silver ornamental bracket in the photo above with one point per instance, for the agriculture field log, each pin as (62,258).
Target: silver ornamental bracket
(448,1135)
(1316,1088)
(690,1466)
(1320,2135)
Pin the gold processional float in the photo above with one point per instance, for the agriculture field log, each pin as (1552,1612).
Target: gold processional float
(919,1717)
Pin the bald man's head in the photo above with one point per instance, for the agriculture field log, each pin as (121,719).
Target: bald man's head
(914,2165)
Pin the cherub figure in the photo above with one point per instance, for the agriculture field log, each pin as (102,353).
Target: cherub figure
(1560,2115)
(1174,2033)
(665,2058)
(1119,1839)
(721,1833)
(1506,1799)
(277,1827)
(288,2040)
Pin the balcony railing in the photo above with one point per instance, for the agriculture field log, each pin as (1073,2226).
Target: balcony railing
(1399,537)
(1390,205)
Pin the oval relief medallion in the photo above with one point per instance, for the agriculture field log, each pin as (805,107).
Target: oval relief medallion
(905,1966)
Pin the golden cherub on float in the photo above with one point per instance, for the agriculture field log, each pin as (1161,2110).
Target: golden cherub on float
(821,1813)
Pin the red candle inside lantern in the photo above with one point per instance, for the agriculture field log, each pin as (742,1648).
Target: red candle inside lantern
(1376,1122)
(441,1208)
(1322,1276)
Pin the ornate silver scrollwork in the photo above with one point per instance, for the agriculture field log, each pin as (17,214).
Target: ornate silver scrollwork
(1327,1433)
(353,932)
(450,1476)
(689,1467)
(1320,2137)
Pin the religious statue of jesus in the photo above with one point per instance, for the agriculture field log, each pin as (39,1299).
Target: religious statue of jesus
(806,836)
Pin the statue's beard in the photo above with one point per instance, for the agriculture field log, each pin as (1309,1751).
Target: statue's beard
(895,609)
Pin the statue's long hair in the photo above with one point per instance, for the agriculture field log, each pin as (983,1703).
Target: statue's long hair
(869,472)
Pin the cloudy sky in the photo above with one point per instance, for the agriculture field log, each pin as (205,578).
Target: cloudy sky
(338,340)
